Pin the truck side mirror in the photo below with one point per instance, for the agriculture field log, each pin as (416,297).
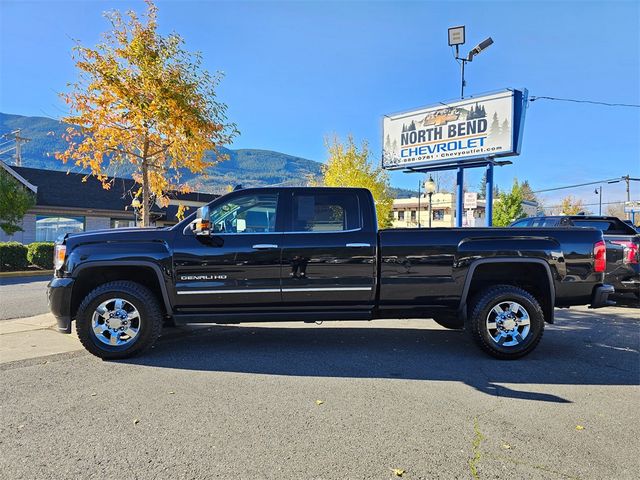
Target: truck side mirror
(202,224)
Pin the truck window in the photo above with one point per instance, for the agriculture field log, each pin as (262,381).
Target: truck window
(246,214)
(611,227)
(325,212)
(545,222)
(522,223)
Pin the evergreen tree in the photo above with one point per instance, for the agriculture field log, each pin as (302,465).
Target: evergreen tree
(482,188)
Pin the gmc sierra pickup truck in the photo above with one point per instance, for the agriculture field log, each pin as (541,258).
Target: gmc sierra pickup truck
(622,240)
(310,254)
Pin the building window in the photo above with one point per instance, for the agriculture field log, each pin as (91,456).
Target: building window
(120,223)
(413,215)
(50,228)
(438,214)
(401,215)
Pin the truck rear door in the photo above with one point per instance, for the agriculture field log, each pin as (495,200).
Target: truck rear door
(328,251)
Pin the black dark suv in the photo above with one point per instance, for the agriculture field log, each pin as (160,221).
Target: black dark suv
(623,245)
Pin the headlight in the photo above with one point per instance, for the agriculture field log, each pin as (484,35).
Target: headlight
(59,254)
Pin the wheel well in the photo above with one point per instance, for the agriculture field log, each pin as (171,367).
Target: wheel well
(90,278)
(532,277)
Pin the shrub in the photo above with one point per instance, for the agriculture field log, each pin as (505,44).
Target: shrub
(13,256)
(40,254)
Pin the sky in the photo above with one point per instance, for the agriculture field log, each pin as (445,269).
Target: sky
(297,72)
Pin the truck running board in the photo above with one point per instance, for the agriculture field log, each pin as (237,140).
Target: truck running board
(293,316)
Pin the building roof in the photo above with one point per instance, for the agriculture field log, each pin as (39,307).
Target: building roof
(56,189)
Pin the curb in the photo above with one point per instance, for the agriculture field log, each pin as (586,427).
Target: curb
(26,273)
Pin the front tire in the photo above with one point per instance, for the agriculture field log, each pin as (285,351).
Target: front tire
(118,320)
(507,322)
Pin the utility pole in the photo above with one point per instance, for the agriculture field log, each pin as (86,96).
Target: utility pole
(18,146)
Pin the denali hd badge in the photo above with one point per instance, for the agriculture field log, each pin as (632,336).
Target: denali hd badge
(202,277)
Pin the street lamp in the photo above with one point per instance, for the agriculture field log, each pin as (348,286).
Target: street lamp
(457,38)
(430,188)
(135,204)
(598,191)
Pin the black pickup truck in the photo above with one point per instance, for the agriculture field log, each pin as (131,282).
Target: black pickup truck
(623,245)
(309,254)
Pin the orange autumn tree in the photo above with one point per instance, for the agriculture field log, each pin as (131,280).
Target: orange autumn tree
(145,106)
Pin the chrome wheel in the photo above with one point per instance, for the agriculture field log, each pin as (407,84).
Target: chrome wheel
(115,322)
(508,323)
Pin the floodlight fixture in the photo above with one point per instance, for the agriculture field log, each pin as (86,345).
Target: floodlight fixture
(456,35)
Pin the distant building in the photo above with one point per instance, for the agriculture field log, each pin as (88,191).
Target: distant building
(66,203)
(406,215)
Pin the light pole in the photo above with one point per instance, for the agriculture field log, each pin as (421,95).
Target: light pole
(135,204)
(457,38)
(419,195)
(430,188)
(598,191)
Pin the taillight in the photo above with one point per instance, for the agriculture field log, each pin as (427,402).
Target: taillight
(600,256)
(59,253)
(631,251)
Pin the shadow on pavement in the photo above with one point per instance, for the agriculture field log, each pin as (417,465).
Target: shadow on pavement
(583,349)
(628,300)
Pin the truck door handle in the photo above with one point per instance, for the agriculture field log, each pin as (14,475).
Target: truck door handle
(264,246)
(358,245)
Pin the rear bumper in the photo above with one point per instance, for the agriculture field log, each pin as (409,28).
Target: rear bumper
(600,296)
(59,297)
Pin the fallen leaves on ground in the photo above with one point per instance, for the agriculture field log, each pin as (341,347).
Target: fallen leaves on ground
(579,427)
(319,402)
(398,472)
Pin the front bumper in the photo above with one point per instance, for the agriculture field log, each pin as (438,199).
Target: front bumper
(59,297)
(600,296)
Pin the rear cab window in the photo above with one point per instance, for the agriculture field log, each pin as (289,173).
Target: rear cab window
(325,212)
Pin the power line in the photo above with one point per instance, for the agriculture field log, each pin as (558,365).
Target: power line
(597,182)
(591,204)
(592,102)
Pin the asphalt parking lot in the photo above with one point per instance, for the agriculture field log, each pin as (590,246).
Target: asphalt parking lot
(340,400)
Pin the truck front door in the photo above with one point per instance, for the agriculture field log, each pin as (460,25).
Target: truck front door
(238,265)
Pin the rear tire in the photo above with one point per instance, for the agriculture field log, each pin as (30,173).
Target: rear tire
(507,322)
(119,320)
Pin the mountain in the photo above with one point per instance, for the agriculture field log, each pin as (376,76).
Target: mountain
(250,167)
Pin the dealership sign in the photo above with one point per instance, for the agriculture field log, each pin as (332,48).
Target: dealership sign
(455,133)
